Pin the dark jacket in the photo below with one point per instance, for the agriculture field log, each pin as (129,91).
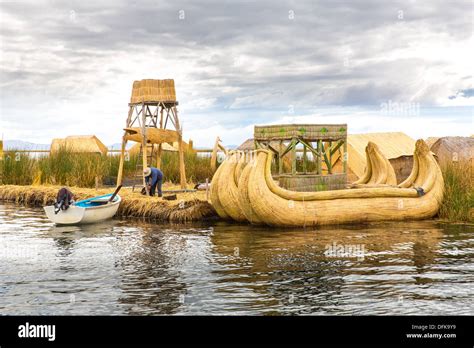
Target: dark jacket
(154,177)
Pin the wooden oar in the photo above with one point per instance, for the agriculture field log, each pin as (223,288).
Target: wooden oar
(115,193)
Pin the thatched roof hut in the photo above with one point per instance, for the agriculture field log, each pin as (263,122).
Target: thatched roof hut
(79,143)
(397,147)
(431,140)
(249,145)
(454,149)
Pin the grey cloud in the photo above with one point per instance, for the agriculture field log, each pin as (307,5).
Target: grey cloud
(249,56)
(466,93)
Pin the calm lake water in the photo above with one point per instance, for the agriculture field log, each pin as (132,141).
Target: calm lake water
(137,267)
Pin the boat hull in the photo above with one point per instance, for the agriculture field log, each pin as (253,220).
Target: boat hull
(376,198)
(81,213)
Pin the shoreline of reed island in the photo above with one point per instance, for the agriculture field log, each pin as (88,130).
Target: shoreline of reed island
(189,206)
(81,170)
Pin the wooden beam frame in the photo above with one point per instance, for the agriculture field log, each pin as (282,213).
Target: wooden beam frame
(324,142)
(152,115)
(124,145)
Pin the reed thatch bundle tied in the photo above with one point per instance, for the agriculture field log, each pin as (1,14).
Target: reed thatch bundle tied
(153,91)
(248,191)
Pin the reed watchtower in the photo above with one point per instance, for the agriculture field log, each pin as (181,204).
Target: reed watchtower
(153,119)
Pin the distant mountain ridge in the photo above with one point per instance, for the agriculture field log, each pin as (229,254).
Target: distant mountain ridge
(23,145)
(15,144)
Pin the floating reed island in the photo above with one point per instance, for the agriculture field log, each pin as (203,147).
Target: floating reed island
(189,206)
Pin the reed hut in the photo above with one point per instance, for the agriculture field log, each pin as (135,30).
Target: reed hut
(454,149)
(431,140)
(397,147)
(247,146)
(79,143)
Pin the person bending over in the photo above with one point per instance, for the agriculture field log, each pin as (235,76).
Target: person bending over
(154,180)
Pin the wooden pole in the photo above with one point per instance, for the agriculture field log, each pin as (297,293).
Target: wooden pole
(330,158)
(280,158)
(158,157)
(345,156)
(319,159)
(124,144)
(182,169)
(293,157)
(304,158)
(214,155)
(144,148)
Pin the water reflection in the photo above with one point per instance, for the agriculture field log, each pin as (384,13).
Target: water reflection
(139,267)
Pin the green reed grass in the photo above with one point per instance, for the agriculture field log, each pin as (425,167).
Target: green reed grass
(64,167)
(17,168)
(458,199)
(197,167)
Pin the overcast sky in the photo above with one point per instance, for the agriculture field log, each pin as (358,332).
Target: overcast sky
(67,67)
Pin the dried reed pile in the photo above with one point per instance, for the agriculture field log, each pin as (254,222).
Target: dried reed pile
(188,206)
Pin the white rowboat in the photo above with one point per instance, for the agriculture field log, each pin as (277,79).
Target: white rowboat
(86,211)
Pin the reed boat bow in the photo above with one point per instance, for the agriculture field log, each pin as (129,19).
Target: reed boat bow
(228,180)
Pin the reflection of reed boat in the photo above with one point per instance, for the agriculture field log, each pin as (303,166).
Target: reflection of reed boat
(86,211)
(374,197)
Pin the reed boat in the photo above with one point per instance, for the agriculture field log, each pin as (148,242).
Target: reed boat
(375,197)
(87,211)
(153,135)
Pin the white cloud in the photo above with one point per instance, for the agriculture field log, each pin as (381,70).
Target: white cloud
(234,64)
